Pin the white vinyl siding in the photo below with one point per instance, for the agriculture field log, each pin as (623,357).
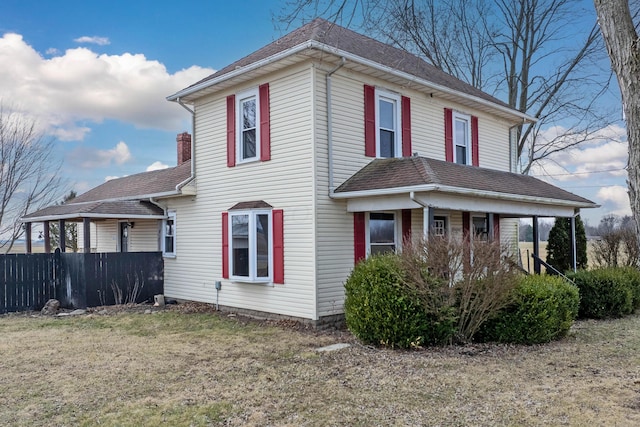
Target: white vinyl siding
(285,182)
(143,237)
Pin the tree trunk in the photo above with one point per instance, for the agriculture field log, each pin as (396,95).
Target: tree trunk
(623,45)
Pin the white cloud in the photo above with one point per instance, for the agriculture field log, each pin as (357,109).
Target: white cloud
(70,91)
(90,158)
(614,199)
(156,166)
(101,41)
(110,177)
(603,154)
(52,51)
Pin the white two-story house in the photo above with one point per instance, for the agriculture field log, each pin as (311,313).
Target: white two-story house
(312,153)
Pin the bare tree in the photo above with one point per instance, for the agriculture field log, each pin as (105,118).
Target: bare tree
(29,175)
(623,44)
(524,51)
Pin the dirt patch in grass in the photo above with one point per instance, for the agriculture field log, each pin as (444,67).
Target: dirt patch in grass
(191,365)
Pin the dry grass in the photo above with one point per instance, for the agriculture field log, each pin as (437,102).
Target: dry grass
(524,246)
(200,369)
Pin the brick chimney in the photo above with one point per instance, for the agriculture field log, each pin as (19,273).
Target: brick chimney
(184,147)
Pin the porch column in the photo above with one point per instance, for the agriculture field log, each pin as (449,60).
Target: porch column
(536,246)
(86,225)
(47,238)
(62,235)
(572,239)
(27,232)
(490,227)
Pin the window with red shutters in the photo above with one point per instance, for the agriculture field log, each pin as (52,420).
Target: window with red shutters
(387,123)
(249,126)
(461,138)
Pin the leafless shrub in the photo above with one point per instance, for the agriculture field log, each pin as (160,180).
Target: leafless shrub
(130,294)
(473,276)
(618,244)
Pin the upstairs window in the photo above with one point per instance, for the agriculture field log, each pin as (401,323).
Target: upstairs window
(387,124)
(461,139)
(387,113)
(248,148)
(248,126)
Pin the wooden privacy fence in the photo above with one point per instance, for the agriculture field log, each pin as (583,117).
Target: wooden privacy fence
(78,280)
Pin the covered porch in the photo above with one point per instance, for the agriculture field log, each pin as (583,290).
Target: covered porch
(444,198)
(105,226)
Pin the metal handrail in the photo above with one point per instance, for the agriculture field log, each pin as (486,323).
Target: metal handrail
(552,268)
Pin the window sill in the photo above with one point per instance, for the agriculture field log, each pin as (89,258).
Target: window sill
(168,255)
(241,280)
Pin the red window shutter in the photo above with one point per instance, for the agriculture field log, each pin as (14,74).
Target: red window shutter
(496,227)
(369,121)
(406,126)
(448,134)
(359,239)
(225,245)
(265,123)
(406,225)
(475,155)
(231,131)
(466,224)
(278,245)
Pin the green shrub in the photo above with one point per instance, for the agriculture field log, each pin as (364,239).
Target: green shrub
(381,309)
(604,292)
(632,276)
(544,309)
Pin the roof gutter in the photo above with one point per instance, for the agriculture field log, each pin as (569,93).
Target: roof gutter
(89,215)
(462,191)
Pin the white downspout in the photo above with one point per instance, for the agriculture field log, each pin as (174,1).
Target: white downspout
(193,145)
(330,124)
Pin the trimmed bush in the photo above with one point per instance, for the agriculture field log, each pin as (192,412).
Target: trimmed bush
(605,292)
(632,274)
(544,310)
(381,309)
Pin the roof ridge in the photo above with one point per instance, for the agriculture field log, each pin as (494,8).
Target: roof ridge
(426,170)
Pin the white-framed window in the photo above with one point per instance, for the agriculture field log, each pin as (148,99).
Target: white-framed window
(388,132)
(248,122)
(382,232)
(250,245)
(480,227)
(440,226)
(462,139)
(169,235)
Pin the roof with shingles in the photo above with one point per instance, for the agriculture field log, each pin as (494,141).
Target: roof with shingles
(419,171)
(337,37)
(135,186)
(125,208)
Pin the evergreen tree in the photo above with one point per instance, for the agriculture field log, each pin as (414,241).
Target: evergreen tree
(559,245)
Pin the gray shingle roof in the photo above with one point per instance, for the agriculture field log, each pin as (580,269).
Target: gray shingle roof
(141,184)
(335,36)
(417,171)
(114,209)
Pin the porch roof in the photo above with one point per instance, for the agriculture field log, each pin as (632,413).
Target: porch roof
(125,209)
(421,174)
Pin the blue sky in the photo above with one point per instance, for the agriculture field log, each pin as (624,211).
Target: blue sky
(95,75)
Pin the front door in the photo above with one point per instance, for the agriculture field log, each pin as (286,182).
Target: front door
(124,237)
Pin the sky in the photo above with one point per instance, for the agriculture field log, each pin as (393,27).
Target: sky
(95,75)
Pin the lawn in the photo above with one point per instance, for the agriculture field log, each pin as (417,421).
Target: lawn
(204,368)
